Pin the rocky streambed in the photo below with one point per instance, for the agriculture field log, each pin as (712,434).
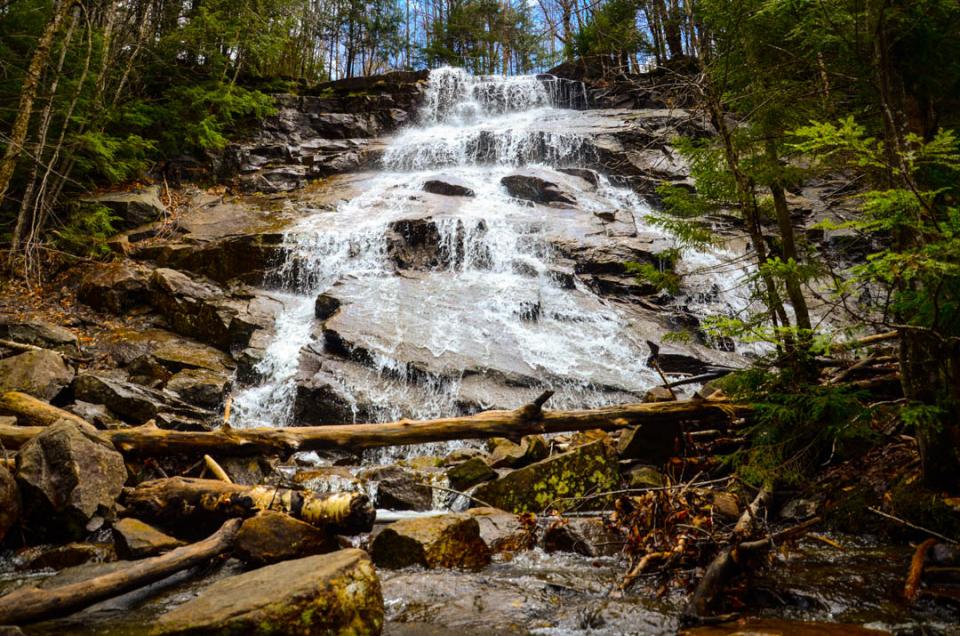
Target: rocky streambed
(399,247)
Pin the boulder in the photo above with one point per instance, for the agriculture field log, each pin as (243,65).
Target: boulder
(201,387)
(399,489)
(67,478)
(448,186)
(137,404)
(134,208)
(335,593)
(40,334)
(192,308)
(501,531)
(326,306)
(9,502)
(97,414)
(41,373)
(446,541)
(643,477)
(115,287)
(535,189)
(651,443)
(556,481)
(589,536)
(135,539)
(470,473)
(273,536)
(147,371)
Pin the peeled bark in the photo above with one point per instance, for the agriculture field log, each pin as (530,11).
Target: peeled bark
(177,498)
(149,440)
(28,605)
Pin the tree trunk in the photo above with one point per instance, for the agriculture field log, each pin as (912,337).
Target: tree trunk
(31,604)
(28,93)
(30,410)
(180,498)
(149,440)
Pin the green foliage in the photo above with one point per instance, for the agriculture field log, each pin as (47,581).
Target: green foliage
(662,278)
(86,230)
(612,30)
(793,432)
(100,155)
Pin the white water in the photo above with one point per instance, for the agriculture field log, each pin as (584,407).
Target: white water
(497,267)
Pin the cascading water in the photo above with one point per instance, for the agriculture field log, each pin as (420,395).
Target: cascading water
(492,297)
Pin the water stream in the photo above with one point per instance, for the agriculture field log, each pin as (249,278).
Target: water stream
(494,295)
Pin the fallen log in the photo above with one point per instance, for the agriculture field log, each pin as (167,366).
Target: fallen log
(177,498)
(28,605)
(30,410)
(526,420)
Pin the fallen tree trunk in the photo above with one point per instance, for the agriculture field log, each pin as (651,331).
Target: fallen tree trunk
(527,420)
(30,410)
(28,605)
(177,498)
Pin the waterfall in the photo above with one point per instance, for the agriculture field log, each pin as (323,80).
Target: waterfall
(493,298)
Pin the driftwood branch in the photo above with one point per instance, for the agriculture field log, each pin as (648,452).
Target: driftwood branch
(30,410)
(527,420)
(28,605)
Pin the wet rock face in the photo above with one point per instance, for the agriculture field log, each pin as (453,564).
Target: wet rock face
(66,479)
(470,473)
(136,539)
(536,189)
(9,502)
(42,374)
(399,489)
(335,593)
(39,334)
(447,541)
(271,537)
(329,131)
(587,536)
(591,468)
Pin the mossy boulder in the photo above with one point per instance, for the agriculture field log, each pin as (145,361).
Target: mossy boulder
(506,454)
(469,473)
(446,541)
(555,481)
(271,537)
(335,593)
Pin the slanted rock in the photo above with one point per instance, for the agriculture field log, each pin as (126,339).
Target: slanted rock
(590,176)
(326,306)
(447,541)
(41,373)
(272,536)
(556,481)
(137,404)
(588,536)
(191,307)
(67,478)
(115,287)
(9,502)
(448,186)
(399,489)
(134,208)
(40,334)
(659,394)
(470,473)
(66,556)
(532,188)
(135,539)
(335,593)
